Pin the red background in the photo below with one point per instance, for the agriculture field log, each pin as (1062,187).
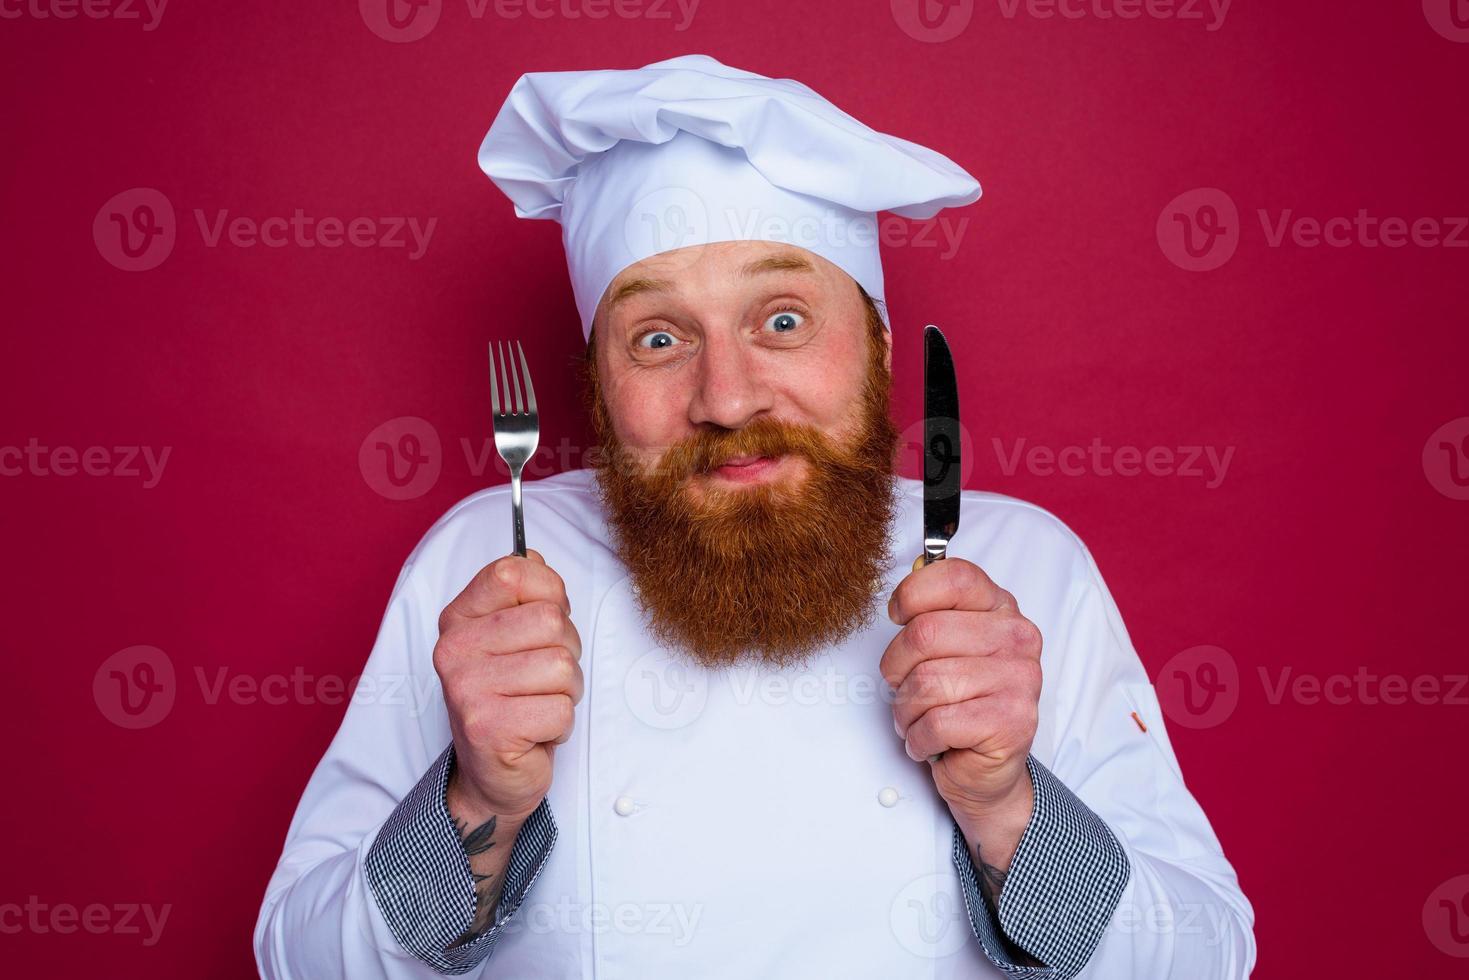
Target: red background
(264,549)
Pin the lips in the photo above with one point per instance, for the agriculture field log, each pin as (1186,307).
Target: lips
(746,469)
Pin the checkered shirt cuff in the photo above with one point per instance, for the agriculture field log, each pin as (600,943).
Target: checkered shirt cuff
(1063,885)
(420,875)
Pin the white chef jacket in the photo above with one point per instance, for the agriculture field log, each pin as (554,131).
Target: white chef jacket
(752,822)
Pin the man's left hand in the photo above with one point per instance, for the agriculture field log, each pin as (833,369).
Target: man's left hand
(966,668)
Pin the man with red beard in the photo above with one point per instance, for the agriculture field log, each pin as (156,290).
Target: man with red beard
(714,724)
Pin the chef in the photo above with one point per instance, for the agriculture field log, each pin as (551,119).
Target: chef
(718,723)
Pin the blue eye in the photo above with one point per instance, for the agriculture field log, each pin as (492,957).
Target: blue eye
(657,340)
(785,321)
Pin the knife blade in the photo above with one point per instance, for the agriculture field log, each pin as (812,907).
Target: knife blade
(941,470)
(942,476)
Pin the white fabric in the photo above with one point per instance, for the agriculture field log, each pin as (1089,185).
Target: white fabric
(757,843)
(689,151)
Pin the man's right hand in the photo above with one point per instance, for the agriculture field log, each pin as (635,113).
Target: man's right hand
(508,658)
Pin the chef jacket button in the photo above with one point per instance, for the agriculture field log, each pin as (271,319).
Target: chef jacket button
(888,796)
(623,806)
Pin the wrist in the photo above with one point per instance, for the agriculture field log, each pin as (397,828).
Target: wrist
(466,802)
(993,828)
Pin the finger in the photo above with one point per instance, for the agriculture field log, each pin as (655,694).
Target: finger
(947,680)
(946,633)
(547,670)
(944,727)
(540,718)
(506,582)
(949,584)
(510,630)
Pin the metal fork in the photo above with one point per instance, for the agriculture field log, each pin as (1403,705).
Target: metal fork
(517,428)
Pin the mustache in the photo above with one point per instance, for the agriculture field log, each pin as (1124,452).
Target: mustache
(708,449)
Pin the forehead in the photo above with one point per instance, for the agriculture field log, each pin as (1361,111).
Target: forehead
(699,265)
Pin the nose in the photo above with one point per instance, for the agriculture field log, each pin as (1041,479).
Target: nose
(731,388)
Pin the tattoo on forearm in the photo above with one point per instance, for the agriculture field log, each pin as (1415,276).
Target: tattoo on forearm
(991,881)
(991,884)
(477,841)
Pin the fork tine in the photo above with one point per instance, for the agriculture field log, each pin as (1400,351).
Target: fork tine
(530,391)
(494,386)
(515,376)
(504,380)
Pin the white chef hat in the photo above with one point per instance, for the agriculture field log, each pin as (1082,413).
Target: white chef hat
(690,151)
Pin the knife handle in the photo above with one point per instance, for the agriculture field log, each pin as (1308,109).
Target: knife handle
(924,559)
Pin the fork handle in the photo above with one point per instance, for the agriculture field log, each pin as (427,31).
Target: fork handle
(517,513)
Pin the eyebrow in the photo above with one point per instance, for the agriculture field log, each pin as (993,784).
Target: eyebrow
(788,262)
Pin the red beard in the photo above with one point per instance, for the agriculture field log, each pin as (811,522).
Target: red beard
(771,571)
